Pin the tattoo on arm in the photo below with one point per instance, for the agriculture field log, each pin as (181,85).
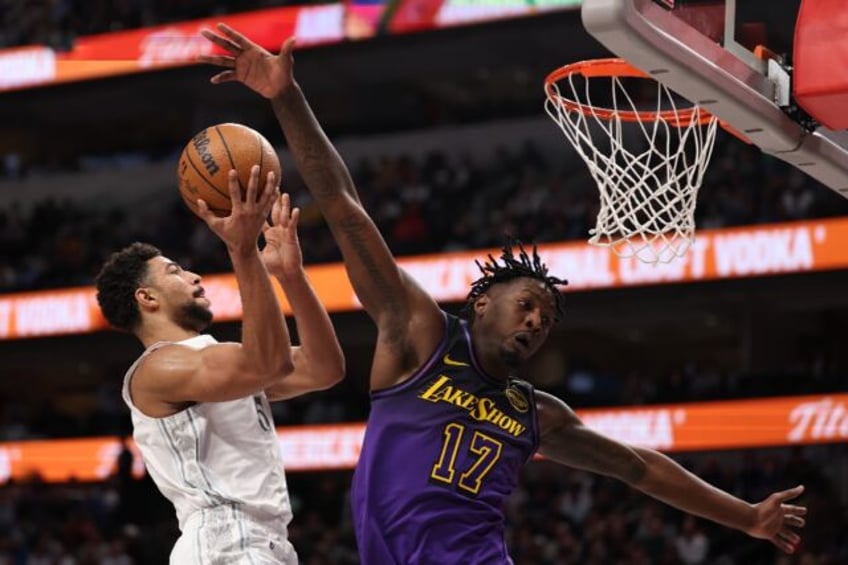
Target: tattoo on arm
(370,266)
(322,168)
(354,229)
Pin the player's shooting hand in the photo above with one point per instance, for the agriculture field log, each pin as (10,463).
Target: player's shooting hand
(240,230)
(776,521)
(282,254)
(268,74)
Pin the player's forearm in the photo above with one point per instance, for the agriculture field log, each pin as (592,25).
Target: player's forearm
(318,340)
(322,168)
(265,337)
(667,481)
(371,268)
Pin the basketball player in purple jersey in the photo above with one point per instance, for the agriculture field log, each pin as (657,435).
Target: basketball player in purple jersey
(450,427)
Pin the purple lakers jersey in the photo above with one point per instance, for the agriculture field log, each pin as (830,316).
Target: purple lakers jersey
(442,452)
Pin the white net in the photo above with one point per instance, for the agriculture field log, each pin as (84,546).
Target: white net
(648,163)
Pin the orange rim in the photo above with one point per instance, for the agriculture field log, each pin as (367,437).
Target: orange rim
(598,68)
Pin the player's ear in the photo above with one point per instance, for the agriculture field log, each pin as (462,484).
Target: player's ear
(480,305)
(146,298)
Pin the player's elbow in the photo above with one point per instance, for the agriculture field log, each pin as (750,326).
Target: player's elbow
(284,368)
(330,373)
(273,373)
(268,369)
(325,365)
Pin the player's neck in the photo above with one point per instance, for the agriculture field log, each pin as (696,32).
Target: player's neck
(155,333)
(489,357)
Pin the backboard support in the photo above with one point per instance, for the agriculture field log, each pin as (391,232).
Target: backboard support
(691,46)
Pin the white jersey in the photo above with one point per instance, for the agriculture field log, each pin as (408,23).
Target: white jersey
(219,464)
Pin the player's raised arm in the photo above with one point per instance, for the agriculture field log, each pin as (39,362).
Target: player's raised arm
(376,278)
(564,438)
(266,346)
(395,302)
(173,307)
(318,361)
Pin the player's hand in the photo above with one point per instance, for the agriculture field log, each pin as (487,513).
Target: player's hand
(240,230)
(775,520)
(282,254)
(268,74)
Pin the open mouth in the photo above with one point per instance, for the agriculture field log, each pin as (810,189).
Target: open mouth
(200,293)
(523,340)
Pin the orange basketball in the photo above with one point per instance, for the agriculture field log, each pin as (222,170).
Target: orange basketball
(207,159)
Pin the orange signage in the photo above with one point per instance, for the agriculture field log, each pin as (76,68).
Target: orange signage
(704,426)
(158,47)
(728,424)
(716,254)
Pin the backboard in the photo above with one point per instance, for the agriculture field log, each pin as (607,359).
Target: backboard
(705,51)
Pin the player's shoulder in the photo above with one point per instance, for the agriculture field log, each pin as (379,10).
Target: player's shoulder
(454,325)
(166,359)
(159,373)
(162,363)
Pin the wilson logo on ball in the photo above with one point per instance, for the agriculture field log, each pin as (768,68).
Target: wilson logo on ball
(201,144)
(207,158)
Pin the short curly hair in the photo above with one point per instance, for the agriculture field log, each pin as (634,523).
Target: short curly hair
(117,282)
(512,268)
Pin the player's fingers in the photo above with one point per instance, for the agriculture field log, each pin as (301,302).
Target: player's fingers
(269,194)
(251,196)
(285,208)
(295,216)
(276,211)
(234,188)
(203,210)
(791,493)
(271,190)
(793,509)
(224,76)
(265,206)
(217,60)
(789,536)
(240,41)
(288,46)
(222,42)
(783,545)
(795,521)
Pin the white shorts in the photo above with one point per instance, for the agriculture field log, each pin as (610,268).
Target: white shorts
(225,536)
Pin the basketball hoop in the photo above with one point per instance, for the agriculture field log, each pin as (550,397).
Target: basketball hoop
(648,174)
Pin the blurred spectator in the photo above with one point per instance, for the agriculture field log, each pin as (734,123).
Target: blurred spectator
(691,543)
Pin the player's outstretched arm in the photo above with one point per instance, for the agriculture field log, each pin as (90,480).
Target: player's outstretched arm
(176,374)
(318,362)
(566,440)
(397,304)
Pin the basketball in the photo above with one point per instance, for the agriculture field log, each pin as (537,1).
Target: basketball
(207,159)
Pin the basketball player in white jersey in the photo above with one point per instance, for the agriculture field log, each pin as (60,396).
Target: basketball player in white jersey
(200,408)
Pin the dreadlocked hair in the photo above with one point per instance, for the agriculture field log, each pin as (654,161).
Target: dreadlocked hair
(512,267)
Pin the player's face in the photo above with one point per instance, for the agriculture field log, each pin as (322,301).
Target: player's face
(180,294)
(520,315)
